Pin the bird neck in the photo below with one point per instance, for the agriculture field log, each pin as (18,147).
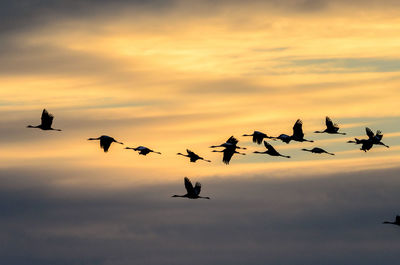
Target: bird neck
(180,196)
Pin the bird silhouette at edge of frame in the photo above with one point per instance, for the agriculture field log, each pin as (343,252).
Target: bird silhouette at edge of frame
(396,222)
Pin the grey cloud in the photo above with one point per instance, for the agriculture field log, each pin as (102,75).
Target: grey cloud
(20,15)
(345,65)
(334,219)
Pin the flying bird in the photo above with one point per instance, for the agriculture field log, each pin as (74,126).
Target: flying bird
(192,192)
(142,150)
(396,222)
(193,156)
(105,141)
(230,143)
(366,144)
(258,136)
(298,134)
(317,150)
(47,120)
(228,153)
(331,128)
(270,151)
(375,138)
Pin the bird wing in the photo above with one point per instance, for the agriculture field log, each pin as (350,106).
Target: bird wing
(228,153)
(188,186)
(398,219)
(328,122)
(232,140)
(379,135)
(369,132)
(298,129)
(258,137)
(190,153)
(197,188)
(47,119)
(269,147)
(105,143)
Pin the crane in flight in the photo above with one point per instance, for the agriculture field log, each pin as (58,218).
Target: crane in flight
(191,192)
(317,150)
(270,151)
(298,134)
(142,150)
(193,156)
(228,153)
(258,136)
(331,128)
(230,143)
(105,142)
(47,121)
(396,221)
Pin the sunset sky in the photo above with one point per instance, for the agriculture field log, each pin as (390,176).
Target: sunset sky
(172,75)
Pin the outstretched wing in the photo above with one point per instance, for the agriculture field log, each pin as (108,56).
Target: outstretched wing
(379,135)
(298,129)
(232,140)
(228,153)
(197,188)
(105,143)
(47,119)
(188,186)
(369,132)
(398,219)
(258,137)
(190,153)
(328,122)
(269,147)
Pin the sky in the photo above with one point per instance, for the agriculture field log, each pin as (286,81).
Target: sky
(172,75)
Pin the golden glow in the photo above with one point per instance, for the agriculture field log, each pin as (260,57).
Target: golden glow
(193,82)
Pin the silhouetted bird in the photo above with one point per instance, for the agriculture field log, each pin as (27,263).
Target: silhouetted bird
(192,192)
(105,141)
(366,144)
(230,143)
(297,135)
(331,127)
(142,150)
(270,151)
(376,138)
(396,222)
(47,120)
(317,150)
(193,156)
(258,137)
(228,153)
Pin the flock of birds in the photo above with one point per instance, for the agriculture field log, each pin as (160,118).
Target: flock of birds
(231,147)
